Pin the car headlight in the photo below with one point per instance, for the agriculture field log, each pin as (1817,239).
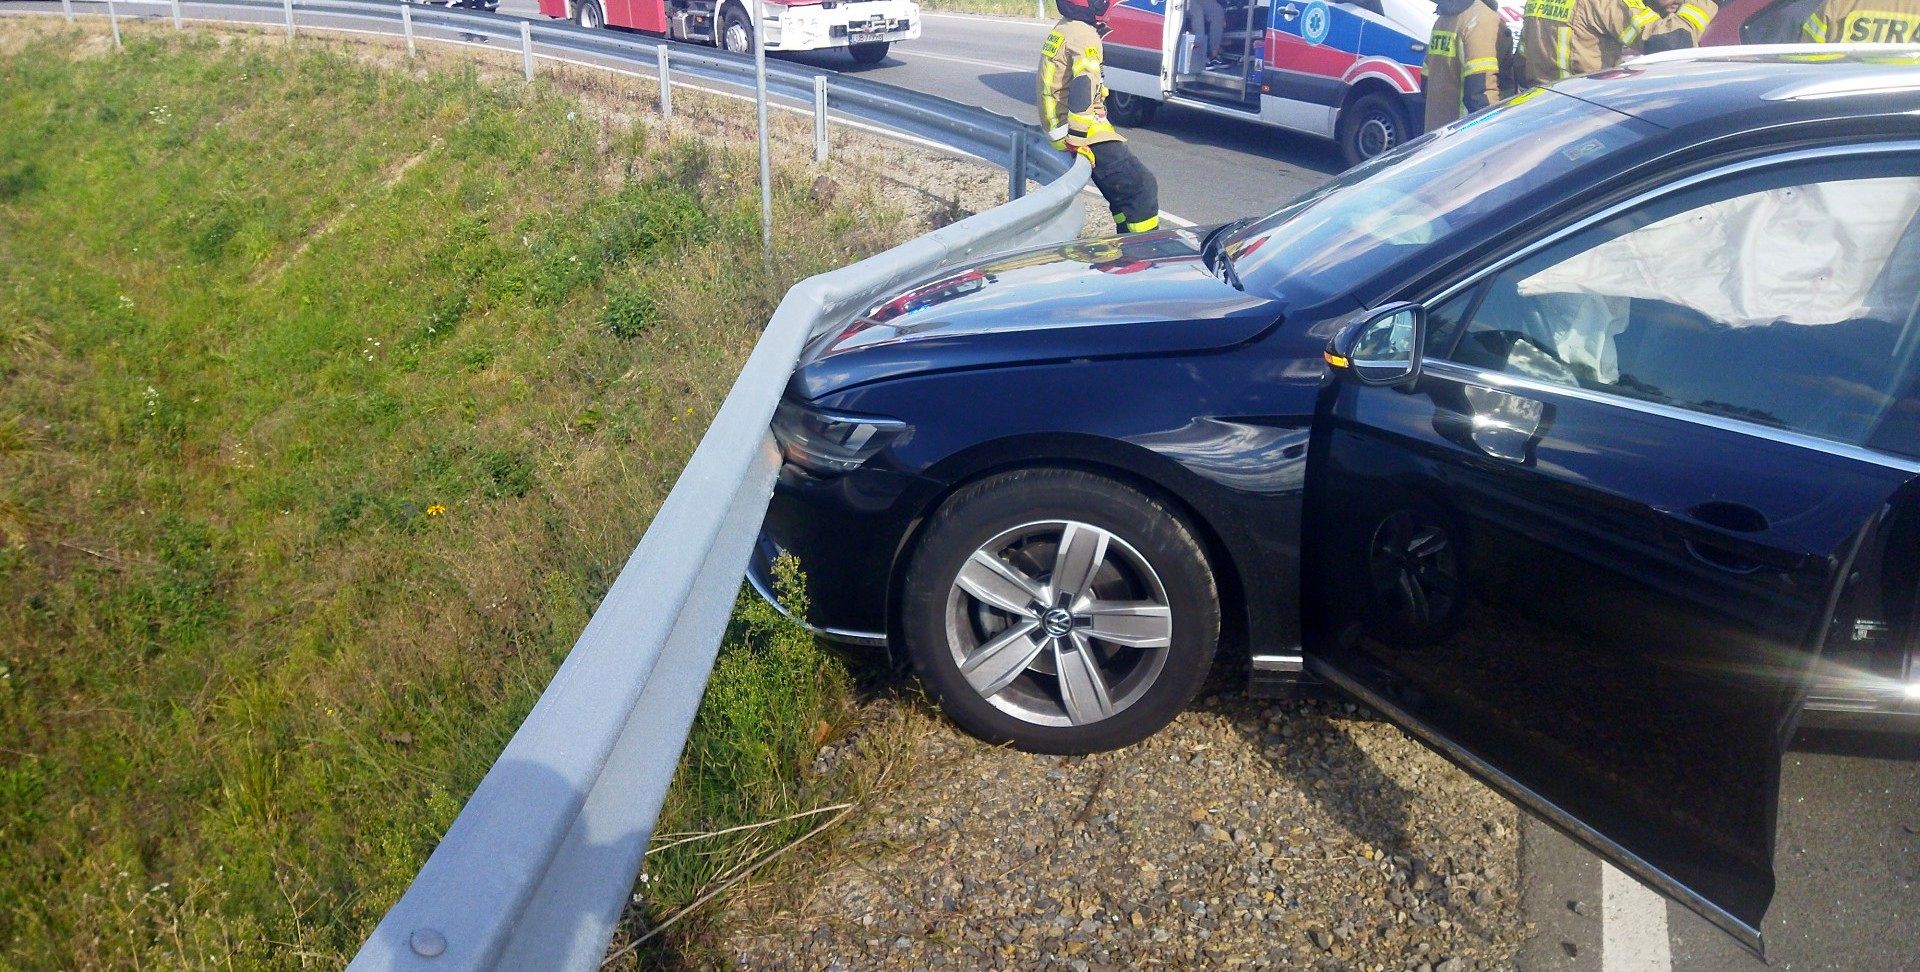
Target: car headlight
(832,442)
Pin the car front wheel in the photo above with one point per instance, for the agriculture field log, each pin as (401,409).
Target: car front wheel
(1059,611)
(588,15)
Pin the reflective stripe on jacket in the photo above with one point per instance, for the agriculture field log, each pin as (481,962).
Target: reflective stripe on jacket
(1865,22)
(1692,17)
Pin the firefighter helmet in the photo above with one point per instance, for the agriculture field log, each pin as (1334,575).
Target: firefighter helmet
(1086,11)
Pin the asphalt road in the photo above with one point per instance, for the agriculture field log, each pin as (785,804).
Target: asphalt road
(1848,858)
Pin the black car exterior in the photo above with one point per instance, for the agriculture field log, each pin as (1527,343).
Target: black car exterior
(1580,438)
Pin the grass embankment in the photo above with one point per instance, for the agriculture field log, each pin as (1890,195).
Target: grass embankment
(331,399)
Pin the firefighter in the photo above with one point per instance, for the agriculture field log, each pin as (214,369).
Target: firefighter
(1681,25)
(1463,60)
(1562,38)
(1865,22)
(1073,108)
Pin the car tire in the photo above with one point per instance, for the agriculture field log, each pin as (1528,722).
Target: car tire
(590,15)
(1153,584)
(736,31)
(1131,111)
(872,53)
(1374,123)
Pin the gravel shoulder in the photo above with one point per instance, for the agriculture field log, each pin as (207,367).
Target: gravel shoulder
(1302,834)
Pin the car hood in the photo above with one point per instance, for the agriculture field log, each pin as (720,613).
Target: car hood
(1144,294)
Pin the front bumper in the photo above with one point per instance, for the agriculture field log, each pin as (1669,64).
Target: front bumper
(760,577)
(813,27)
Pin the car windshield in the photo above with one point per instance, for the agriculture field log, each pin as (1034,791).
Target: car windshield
(1414,196)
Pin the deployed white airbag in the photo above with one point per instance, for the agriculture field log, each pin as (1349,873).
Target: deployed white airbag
(1821,251)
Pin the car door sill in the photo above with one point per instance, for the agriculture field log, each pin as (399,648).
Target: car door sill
(1626,860)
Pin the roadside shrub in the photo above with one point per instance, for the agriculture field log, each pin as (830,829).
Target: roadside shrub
(775,695)
(630,313)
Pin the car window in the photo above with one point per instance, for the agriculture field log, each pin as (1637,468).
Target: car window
(1786,298)
(1395,206)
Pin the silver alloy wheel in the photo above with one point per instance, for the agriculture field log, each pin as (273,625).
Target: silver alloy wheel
(737,39)
(1059,623)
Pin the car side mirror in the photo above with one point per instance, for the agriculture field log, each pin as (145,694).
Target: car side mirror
(1382,346)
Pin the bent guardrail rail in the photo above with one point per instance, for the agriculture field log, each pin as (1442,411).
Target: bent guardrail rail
(536,870)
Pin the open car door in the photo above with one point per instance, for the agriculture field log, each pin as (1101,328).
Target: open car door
(1582,518)
(1173,35)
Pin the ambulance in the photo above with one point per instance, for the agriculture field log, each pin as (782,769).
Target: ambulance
(1346,70)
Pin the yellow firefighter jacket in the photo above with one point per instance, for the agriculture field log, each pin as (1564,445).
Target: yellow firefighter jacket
(1464,51)
(1073,98)
(1692,17)
(1562,38)
(1865,22)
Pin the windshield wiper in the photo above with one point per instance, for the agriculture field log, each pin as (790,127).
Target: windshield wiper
(1213,251)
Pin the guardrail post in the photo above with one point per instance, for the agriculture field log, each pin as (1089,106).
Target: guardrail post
(760,112)
(113,20)
(819,118)
(66,7)
(289,6)
(406,25)
(177,25)
(666,85)
(526,49)
(1039,9)
(1017,167)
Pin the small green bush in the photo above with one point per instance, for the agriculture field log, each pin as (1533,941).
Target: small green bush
(630,313)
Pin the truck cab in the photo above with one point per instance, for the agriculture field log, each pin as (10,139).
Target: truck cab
(866,29)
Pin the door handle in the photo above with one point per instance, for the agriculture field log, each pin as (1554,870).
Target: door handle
(1722,517)
(1289,11)
(1732,517)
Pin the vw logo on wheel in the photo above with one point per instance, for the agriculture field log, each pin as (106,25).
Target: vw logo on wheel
(1314,23)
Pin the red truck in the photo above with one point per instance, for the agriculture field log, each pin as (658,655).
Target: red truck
(866,28)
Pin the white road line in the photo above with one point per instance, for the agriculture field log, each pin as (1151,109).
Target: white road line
(1633,925)
(897,52)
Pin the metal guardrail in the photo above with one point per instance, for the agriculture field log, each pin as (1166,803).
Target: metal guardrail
(537,868)
(983,134)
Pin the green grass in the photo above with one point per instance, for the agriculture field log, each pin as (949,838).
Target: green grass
(331,398)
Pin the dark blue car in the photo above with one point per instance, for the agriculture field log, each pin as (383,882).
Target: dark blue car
(1580,438)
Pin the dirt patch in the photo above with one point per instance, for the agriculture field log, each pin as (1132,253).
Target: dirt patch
(1298,835)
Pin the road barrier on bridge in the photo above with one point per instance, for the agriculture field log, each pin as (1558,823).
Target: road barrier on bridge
(538,867)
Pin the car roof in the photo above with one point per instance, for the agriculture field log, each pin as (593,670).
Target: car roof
(1679,89)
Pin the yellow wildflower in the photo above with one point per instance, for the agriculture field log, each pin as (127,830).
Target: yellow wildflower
(436,509)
